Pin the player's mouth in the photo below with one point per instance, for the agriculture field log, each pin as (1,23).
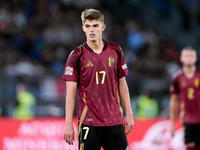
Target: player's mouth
(92,35)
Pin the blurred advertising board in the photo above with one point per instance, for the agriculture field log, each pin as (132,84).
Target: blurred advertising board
(47,134)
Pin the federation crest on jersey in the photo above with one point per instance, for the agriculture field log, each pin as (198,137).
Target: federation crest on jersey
(69,71)
(110,61)
(196,82)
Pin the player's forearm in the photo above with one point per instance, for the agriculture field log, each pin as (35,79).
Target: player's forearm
(69,109)
(173,109)
(125,97)
(70,101)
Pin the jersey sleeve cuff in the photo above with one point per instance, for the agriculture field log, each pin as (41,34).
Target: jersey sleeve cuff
(67,79)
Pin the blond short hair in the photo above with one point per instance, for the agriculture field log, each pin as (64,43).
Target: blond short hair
(92,14)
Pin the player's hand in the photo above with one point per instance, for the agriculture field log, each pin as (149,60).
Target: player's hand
(130,122)
(172,129)
(68,134)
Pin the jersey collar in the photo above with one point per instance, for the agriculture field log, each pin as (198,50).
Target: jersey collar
(104,47)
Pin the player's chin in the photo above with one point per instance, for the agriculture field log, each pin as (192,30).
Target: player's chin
(93,40)
(190,64)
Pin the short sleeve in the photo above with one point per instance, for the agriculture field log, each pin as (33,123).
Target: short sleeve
(174,88)
(71,70)
(122,69)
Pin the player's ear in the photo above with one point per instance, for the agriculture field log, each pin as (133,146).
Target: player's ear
(195,59)
(83,27)
(181,59)
(103,27)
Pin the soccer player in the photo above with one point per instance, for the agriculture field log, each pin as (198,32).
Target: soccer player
(97,69)
(185,97)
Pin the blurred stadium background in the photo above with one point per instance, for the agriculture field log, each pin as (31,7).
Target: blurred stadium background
(36,37)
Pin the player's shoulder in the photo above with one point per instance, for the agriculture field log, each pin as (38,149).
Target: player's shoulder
(177,74)
(78,49)
(198,71)
(114,45)
(75,53)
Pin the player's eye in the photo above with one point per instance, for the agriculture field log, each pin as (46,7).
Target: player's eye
(87,26)
(96,25)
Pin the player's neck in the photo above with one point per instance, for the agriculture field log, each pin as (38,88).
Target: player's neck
(189,71)
(96,46)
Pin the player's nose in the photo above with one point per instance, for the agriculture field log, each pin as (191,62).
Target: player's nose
(92,29)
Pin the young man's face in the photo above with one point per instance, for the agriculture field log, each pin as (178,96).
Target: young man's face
(188,57)
(93,29)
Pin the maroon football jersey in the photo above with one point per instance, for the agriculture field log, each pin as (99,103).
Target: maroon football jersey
(188,90)
(97,77)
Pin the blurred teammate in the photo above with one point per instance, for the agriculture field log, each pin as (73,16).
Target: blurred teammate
(97,69)
(185,94)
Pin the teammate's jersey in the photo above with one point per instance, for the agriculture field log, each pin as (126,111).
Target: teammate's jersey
(97,77)
(188,90)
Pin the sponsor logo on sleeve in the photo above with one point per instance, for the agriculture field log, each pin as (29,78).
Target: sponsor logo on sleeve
(124,66)
(69,71)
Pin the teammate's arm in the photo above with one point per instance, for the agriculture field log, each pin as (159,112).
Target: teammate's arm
(124,94)
(69,109)
(173,112)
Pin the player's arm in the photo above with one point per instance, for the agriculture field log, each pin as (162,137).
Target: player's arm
(71,88)
(173,111)
(125,97)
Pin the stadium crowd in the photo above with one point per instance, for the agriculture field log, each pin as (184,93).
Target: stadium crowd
(36,37)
